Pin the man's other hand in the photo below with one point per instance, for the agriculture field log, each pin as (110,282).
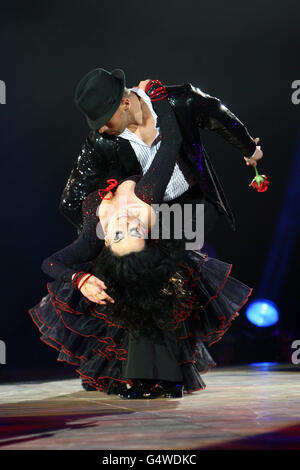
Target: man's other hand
(256,156)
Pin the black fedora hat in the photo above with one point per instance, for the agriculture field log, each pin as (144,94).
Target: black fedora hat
(99,94)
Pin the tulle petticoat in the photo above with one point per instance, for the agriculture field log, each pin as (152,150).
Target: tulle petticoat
(85,337)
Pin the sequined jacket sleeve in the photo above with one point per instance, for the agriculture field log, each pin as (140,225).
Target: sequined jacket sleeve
(89,168)
(212,115)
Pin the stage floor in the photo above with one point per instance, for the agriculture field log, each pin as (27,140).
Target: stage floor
(246,407)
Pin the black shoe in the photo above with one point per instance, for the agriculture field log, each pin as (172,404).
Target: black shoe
(134,394)
(116,388)
(143,389)
(167,389)
(85,384)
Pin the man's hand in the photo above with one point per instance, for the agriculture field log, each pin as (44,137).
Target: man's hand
(94,290)
(256,156)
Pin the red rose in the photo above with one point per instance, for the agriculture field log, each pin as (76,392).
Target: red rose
(260,183)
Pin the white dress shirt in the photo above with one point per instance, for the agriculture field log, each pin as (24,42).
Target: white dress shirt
(145,154)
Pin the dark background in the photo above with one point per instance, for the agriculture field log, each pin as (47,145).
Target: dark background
(245,53)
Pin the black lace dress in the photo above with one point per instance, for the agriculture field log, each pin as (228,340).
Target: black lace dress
(103,352)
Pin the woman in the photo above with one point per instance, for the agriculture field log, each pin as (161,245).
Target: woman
(134,315)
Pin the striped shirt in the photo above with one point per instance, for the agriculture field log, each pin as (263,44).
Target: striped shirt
(145,153)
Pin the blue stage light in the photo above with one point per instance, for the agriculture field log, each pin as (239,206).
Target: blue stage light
(262,312)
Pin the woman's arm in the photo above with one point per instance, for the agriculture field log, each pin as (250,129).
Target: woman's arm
(59,265)
(152,186)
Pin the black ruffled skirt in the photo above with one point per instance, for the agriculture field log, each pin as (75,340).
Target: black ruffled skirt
(105,354)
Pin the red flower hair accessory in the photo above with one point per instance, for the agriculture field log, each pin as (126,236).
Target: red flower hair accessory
(112,183)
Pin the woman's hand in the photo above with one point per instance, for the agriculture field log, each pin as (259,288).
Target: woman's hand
(94,290)
(154,89)
(256,156)
(143,83)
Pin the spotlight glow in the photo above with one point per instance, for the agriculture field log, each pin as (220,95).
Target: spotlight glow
(262,312)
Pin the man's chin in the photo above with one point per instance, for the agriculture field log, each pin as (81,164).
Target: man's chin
(115,133)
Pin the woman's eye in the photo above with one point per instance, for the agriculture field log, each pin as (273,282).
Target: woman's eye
(118,235)
(135,231)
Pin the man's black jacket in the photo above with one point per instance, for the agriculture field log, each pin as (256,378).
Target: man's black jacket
(103,156)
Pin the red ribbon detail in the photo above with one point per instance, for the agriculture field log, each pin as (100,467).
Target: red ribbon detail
(112,183)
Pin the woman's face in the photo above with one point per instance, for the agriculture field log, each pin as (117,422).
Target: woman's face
(125,234)
(125,224)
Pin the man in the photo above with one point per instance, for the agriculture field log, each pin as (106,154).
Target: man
(124,139)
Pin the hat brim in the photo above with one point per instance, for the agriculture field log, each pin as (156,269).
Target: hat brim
(95,125)
(120,75)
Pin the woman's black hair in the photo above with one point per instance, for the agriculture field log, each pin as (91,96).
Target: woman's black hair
(144,285)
